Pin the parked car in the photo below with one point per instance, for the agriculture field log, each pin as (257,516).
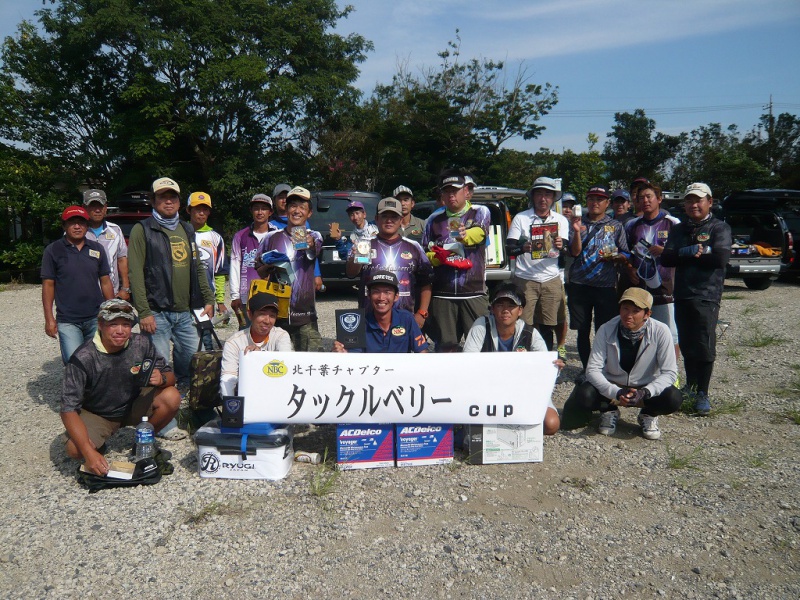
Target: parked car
(331,207)
(764,224)
(499,266)
(128,210)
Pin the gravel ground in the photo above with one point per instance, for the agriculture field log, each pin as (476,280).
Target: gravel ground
(709,511)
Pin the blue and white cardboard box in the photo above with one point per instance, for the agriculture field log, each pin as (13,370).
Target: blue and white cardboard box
(419,444)
(493,444)
(361,446)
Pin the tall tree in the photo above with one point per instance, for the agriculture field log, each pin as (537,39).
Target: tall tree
(635,149)
(203,90)
(775,144)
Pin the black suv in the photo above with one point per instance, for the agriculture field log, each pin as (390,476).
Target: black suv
(130,208)
(767,218)
(331,207)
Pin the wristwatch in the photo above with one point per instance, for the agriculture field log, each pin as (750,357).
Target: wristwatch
(423,313)
(126,290)
(163,380)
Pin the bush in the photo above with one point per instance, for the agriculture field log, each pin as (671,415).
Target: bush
(23,255)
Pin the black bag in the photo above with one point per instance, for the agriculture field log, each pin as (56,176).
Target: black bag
(206,370)
(147,472)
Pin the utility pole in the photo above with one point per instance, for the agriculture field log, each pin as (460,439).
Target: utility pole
(771,138)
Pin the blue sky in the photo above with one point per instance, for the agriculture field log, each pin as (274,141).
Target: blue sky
(682,61)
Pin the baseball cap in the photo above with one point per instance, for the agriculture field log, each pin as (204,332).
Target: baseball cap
(569,197)
(355,206)
(620,196)
(545,183)
(401,189)
(280,188)
(597,190)
(384,277)
(456,181)
(261,300)
(198,198)
(510,291)
(698,189)
(90,196)
(641,298)
(390,205)
(165,183)
(74,211)
(261,198)
(469,181)
(299,192)
(116,308)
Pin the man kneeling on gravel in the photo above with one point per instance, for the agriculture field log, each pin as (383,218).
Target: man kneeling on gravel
(632,364)
(103,388)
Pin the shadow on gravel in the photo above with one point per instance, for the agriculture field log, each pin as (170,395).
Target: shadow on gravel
(118,444)
(46,387)
(316,438)
(58,456)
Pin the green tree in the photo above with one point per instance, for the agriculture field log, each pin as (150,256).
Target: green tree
(775,144)
(204,90)
(635,149)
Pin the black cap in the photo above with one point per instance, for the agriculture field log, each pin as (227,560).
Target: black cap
(384,277)
(261,300)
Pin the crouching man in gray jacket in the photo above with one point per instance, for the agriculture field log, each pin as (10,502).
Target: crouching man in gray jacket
(632,364)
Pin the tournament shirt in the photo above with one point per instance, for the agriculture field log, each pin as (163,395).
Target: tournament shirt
(244,249)
(406,259)
(211,252)
(302,303)
(110,236)
(449,282)
(654,232)
(588,268)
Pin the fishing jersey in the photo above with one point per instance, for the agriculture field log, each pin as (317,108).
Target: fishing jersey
(244,250)
(113,241)
(654,232)
(344,245)
(406,259)
(588,268)
(302,303)
(441,228)
(211,252)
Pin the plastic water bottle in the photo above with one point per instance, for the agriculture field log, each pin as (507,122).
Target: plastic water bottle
(145,440)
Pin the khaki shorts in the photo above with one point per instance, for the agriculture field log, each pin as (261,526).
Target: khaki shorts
(544,302)
(100,428)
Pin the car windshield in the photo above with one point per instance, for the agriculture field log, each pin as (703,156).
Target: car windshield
(333,209)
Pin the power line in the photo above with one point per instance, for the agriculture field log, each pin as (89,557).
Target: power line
(594,113)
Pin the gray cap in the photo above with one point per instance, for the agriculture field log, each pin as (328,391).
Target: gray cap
(90,196)
(280,188)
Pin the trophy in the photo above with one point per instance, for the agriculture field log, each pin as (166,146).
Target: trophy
(299,238)
(361,255)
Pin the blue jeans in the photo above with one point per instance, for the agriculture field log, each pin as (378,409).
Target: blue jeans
(177,327)
(72,335)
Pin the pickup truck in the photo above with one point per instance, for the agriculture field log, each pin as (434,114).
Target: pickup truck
(763,244)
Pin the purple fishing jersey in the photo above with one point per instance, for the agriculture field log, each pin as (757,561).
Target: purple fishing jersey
(302,303)
(441,228)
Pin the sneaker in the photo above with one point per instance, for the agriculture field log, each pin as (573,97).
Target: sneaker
(172,432)
(702,405)
(649,426)
(608,422)
(562,353)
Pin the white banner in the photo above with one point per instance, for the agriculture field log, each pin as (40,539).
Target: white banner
(512,388)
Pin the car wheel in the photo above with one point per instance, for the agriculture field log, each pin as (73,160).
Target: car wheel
(757,283)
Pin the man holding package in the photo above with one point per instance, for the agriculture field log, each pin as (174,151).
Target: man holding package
(632,364)
(112,381)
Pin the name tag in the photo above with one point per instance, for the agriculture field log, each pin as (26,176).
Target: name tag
(94,253)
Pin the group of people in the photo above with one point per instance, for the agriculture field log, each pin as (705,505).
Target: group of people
(648,282)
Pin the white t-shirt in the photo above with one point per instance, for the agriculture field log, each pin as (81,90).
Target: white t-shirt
(278,341)
(543,269)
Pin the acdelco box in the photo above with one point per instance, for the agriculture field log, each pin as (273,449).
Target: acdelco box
(492,444)
(243,455)
(423,444)
(360,446)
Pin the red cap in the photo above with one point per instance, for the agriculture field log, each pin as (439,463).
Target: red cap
(74,211)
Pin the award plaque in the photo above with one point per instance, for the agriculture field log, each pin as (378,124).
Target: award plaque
(362,252)
(299,238)
(351,328)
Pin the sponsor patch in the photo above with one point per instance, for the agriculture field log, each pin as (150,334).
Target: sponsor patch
(406,255)
(662,235)
(703,237)
(398,330)
(206,243)
(94,253)
(608,228)
(135,369)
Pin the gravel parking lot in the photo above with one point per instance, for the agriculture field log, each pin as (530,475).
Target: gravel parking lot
(709,511)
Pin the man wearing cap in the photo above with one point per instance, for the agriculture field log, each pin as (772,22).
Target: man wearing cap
(104,387)
(647,235)
(75,274)
(362,232)
(411,227)
(211,250)
(459,288)
(389,329)
(402,256)
(262,335)
(503,330)
(598,243)
(244,250)
(633,192)
(110,236)
(301,245)
(168,279)
(621,202)
(542,231)
(632,364)
(699,249)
